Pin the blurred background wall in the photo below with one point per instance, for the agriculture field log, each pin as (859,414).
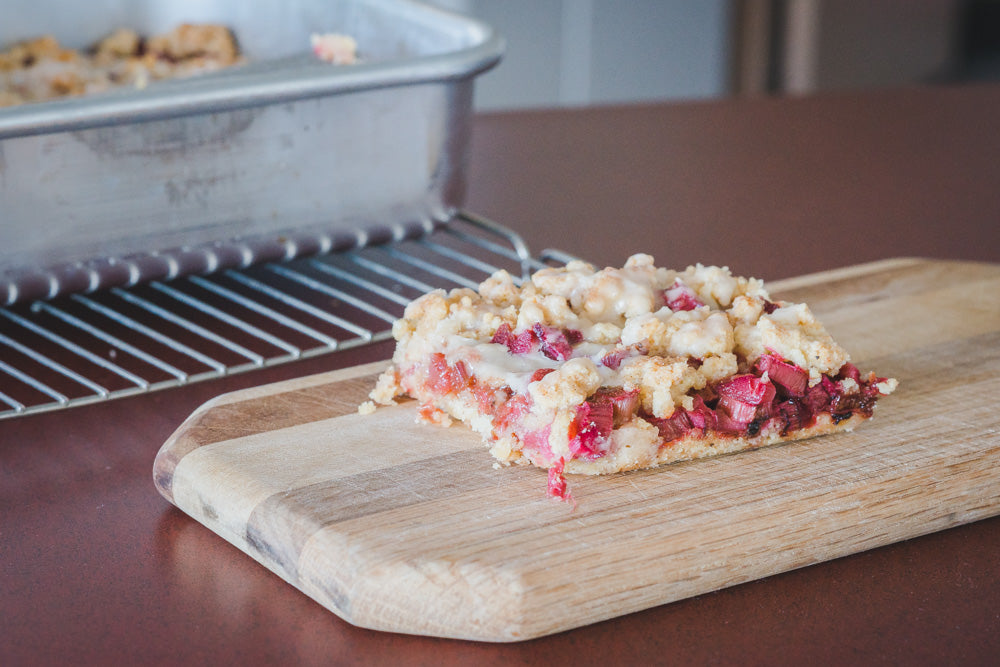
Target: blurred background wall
(592,52)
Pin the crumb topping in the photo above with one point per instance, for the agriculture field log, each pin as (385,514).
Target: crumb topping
(639,310)
(41,69)
(566,386)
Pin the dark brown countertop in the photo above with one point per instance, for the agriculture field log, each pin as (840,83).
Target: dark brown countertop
(96,568)
(770,187)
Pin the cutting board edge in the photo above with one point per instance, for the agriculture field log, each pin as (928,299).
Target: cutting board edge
(185,437)
(850,271)
(301,382)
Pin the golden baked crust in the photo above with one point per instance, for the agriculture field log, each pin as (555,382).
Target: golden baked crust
(592,372)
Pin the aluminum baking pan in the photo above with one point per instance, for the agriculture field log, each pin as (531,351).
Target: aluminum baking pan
(282,156)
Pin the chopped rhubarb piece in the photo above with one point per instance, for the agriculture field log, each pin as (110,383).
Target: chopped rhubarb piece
(725,423)
(845,403)
(675,426)
(793,415)
(869,388)
(769,395)
(554,344)
(624,402)
(503,336)
(702,416)
(593,423)
(739,398)
(614,358)
(788,376)
(861,401)
(438,375)
(601,416)
(557,481)
(446,379)
(540,373)
(461,377)
(538,441)
(747,388)
(573,336)
(736,410)
(816,399)
(509,412)
(849,370)
(516,344)
(487,396)
(681,297)
(766,407)
(523,343)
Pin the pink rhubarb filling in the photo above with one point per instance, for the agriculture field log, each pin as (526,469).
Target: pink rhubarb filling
(773,394)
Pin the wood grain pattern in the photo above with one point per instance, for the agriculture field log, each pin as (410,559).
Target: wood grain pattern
(406,527)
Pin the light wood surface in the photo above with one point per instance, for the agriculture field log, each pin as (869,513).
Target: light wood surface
(406,527)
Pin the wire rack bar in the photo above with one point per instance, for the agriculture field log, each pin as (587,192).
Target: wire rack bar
(87,347)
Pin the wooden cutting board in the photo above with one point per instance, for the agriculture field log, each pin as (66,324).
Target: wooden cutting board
(406,527)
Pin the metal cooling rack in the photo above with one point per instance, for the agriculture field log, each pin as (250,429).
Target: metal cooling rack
(83,348)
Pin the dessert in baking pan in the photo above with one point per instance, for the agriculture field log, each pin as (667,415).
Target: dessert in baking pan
(41,69)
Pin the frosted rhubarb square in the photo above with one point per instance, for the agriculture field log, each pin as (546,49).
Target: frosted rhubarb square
(600,371)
